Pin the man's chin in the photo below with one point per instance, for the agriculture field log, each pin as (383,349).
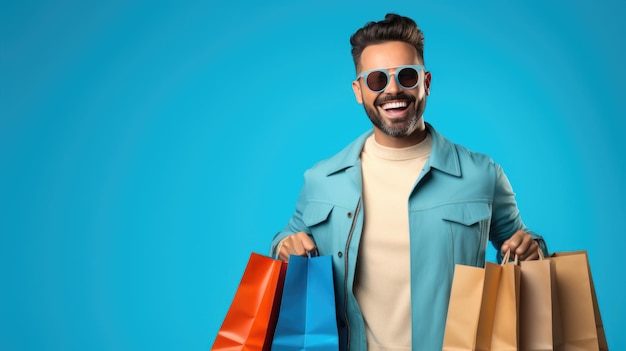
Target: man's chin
(397,132)
(399,125)
(400,128)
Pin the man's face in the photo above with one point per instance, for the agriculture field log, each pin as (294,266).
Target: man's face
(395,111)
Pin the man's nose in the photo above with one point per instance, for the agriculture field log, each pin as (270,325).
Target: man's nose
(393,85)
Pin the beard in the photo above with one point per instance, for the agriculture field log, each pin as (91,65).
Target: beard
(397,127)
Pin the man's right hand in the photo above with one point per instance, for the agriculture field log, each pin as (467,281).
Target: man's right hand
(299,244)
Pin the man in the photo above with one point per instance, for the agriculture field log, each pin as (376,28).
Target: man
(399,207)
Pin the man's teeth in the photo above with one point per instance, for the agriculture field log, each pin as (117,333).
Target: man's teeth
(395,104)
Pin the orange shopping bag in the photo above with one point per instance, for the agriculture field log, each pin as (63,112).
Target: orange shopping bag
(251,319)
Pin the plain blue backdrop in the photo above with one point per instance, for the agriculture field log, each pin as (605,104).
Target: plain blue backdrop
(147,147)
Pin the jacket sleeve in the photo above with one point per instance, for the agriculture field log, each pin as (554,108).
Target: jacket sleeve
(295,224)
(506,219)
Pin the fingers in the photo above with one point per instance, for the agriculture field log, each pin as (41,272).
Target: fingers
(522,245)
(299,244)
(528,249)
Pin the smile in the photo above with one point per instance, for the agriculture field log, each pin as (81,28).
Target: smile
(394,105)
(396,108)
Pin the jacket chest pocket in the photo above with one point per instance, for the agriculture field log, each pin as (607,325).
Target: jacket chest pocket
(329,224)
(468,227)
(316,213)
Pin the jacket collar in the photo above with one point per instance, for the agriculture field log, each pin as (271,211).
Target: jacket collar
(443,156)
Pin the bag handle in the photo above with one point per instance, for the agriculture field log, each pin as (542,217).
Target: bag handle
(540,252)
(314,253)
(507,257)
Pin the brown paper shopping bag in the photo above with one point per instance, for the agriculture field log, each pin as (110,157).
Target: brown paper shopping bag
(540,320)
(580,315)
(474,309)
(505,335)
(470,312)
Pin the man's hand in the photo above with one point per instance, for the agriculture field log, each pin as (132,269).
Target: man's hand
(522,245)
(299,244)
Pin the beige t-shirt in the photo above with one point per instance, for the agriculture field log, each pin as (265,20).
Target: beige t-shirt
(383,281)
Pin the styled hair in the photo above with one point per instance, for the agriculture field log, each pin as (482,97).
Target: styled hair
(392,28)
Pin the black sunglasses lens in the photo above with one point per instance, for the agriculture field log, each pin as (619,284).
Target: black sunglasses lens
(376,81)
(408,77)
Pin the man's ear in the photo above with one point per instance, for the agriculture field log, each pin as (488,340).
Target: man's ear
(427,78)
(356,88)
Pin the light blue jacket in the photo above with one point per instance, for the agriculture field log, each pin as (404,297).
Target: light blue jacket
(460,200)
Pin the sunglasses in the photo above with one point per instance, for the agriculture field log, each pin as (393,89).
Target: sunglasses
(378,79)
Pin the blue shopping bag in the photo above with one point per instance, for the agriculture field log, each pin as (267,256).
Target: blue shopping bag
(307,319)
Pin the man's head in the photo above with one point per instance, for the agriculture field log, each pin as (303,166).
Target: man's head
(392,83)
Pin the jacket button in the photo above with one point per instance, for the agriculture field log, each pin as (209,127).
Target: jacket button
(349,214)
(340,254)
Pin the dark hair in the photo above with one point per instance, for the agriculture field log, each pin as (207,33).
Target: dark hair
(392,28)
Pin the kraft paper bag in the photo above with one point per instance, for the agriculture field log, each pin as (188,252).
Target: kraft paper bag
(252,316)
(471,309)
(580,314)
(484,308)
(540,320)
(505,335)
(308,317)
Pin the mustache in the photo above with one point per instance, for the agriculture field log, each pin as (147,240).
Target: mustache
(400,96)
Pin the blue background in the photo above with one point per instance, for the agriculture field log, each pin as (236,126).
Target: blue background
(146,147)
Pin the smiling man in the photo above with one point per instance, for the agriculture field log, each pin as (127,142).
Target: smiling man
(401,205)
(394,108)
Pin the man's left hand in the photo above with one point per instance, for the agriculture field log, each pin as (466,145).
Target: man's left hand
(522,245)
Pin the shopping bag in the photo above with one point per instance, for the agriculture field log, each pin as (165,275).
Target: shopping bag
(471,307)
(474,310)
(473,303)
(580,314)
(307,319)
(540,320)
(251,319)
(505,335)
